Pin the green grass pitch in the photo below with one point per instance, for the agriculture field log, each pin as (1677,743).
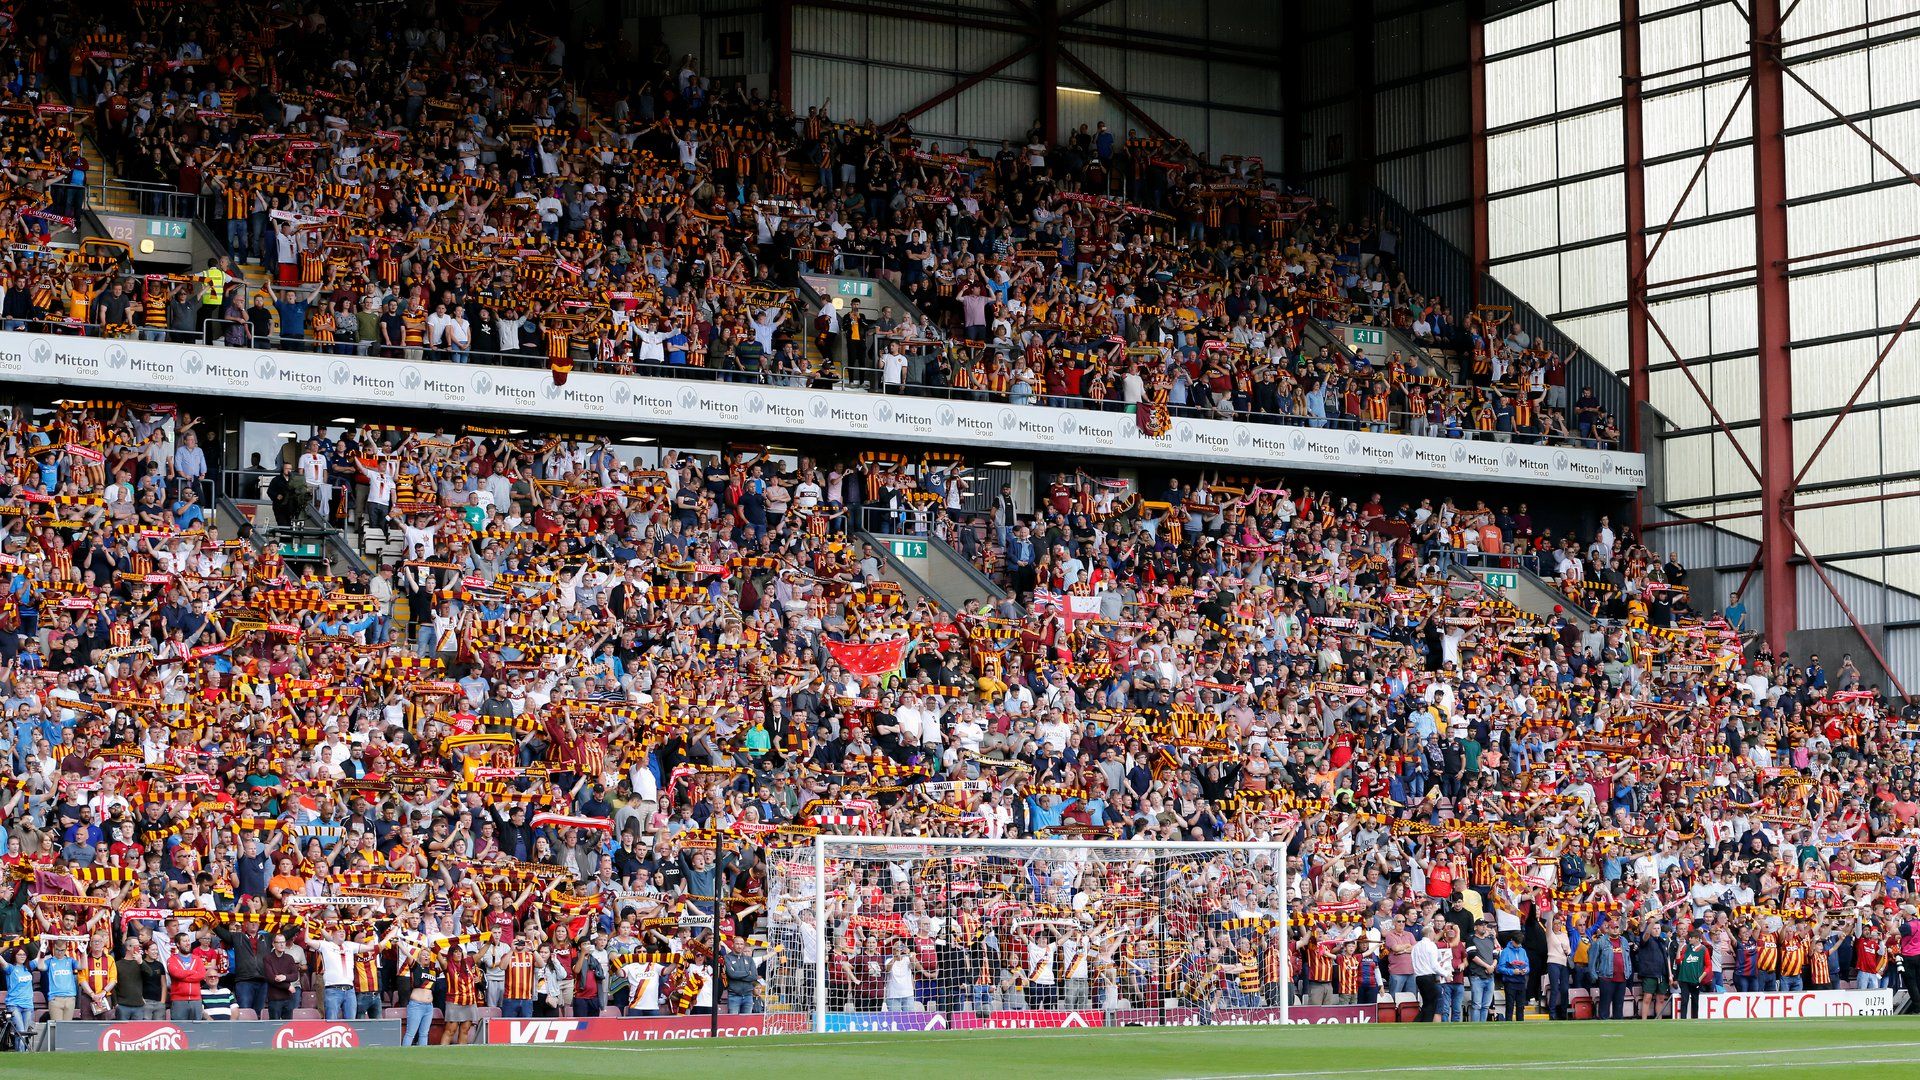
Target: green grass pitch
(1876,1047)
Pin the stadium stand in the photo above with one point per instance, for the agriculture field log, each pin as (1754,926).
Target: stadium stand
(486,777)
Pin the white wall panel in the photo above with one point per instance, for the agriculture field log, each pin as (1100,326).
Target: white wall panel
(1517,223)
(1589,71)
(1603,336)
(1842,80)
(1521,158)
(1592,277)
(1826,159)
(1519,88)
(1592,209)
(1827,21)
(1591,142)
(1861,218)
(1519,30)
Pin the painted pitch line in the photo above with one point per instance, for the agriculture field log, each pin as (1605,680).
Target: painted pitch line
(1562,1063)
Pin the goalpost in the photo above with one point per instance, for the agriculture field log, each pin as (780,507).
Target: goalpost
(917,933)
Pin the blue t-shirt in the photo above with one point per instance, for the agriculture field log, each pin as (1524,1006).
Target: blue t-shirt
(63,975)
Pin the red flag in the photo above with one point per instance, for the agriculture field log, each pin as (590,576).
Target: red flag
(875,659)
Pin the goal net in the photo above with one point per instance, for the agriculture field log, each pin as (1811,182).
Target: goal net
(912,933)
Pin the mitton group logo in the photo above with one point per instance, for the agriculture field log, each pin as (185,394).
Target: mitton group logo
(820,407)
(339,373)
(266,369)
(482,384)
(622,394)
(192,361)
(116,357)
(945,416)
(689,399)
(410,377)
(883,411)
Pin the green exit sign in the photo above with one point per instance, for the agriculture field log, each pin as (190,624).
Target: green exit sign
(855,288)
(1365,336)
(299,551)
(909,549)
(1501,579)
(167,230)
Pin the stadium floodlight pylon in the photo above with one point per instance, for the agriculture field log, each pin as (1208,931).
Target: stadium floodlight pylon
(937,932)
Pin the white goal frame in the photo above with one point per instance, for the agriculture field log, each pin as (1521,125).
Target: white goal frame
(823,843)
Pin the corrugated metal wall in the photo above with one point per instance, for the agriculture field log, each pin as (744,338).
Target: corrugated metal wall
(1421,116)
(875,66)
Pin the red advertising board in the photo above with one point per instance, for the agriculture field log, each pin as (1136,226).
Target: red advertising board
(142,1035)
(126,1035)
(619,1029)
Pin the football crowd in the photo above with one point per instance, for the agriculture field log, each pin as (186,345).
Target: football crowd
(545,759)
(514,768)
(469,190)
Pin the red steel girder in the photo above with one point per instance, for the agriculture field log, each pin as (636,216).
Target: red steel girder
(1767,81)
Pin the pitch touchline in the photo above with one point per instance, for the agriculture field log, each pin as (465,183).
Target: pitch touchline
(1563,1064)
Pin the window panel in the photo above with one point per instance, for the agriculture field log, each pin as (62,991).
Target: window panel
(1589,71)
(1829,304)
(1603,336)
(1517,223)
(1821,18)
(1688,323)
(1519,30)
(1519,88)
(1826,160)
(1670,123)
(1592,209)
(1689,467)
(1520,158)
(1703,249)
(1734,321)
(1592,142)
(1591,277)
(1861,218)
(1537,281)
(1842,80)
(1891,80)
(1573,16)
(1825,375)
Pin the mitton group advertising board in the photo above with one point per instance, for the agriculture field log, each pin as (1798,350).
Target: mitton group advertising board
(95,366)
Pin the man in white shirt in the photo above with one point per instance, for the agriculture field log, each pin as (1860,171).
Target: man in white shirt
(1428,969)
(893,370)
(336,972)
(313,469)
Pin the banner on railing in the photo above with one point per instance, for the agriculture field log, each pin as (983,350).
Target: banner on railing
(165,369)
